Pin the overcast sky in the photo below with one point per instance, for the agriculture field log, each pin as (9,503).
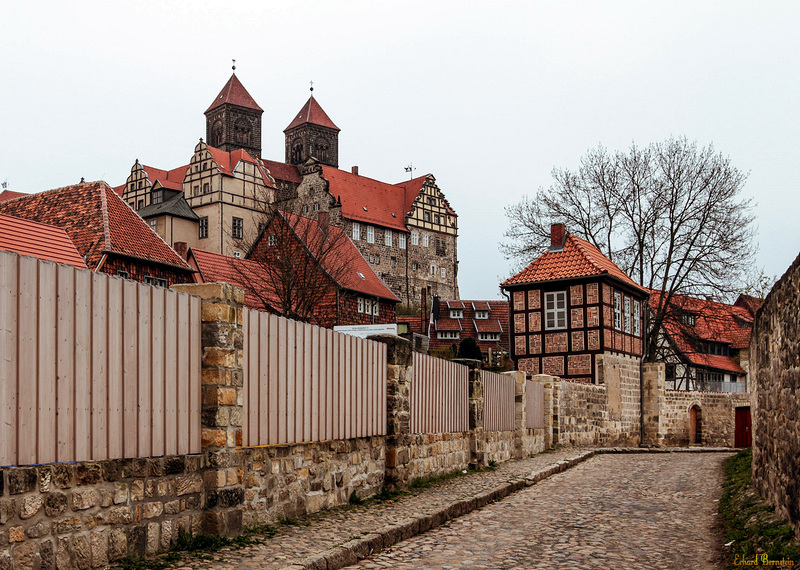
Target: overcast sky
(486,98)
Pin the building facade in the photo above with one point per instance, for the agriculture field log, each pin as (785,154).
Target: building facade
(571,305)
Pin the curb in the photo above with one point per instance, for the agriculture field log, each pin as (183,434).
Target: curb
(352,551)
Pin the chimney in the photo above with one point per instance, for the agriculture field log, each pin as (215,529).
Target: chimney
(557,236)
(354,170)
(182,249)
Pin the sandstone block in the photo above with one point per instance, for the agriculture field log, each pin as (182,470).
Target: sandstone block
(8,508)
(45,476)
(118,515)
(24,555)
(21,480)
(137,490)
(40,529)
(117,544)
(152,510)
(67,525)
(120,494)
(16,534)
(88,473)
(153,538)
(172,507)
(81,551)
(83,499)
(189,484)
(213,438)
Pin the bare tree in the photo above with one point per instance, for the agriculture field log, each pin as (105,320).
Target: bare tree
(670,215)
(295,265)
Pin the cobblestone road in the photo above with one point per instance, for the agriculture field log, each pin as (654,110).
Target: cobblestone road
(613,511)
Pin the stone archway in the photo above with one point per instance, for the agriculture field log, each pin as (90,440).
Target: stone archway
(695,425)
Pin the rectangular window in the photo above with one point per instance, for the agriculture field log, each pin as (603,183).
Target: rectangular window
(238,228)
(141,205)
(206,188)
(433,269)
(356,231)
(375,307)
(426,216)
(689,319)
(425,240)
(435,218)
(481,315)
(272,239)
(162,283)
(158,196)
(121,273)
(387,238)
(153,224)
(618,311)
(401,241)
(637,318)
(448,335)
(444,272)
(456,313)
(414,266)
(555,310)
(489,336)
(370,234)
(628,315)
(393,261)
(203,227)
(196,191)
(360,304)
(414,238)
(316,207)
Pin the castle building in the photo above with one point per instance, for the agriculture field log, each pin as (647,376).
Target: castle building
(406,231)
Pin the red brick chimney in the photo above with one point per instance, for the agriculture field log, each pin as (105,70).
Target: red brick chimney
(354,170)
(181,248)
(558,234)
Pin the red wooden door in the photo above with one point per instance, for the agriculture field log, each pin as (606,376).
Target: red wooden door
(743,436)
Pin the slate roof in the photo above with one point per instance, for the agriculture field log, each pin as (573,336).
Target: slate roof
(312,113)
(234,93)
(173,206)
(714,322)
(42,241)
(578,258)
(97,221)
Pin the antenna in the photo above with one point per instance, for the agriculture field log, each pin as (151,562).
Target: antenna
(312,86)
(234,65)
(410,169)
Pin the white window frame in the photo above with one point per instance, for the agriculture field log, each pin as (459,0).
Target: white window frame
(356,231)
(370,234)
(637,318)
(481,315)
(360,304)
(375,308)
(555,310)
(237,227)
(456,313)
(425,240)
(443,271)
(433,269)
(448,335)
(401,241)
(414,238)
(202,228)
(387,237)
(153,224)
(618,311)
(627,306)
(272,239)
(489,336)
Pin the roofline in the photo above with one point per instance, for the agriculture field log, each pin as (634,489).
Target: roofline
(582,277)
(188,268)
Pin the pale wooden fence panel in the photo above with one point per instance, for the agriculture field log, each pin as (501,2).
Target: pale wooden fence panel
(439,396)
(534,405)
(498,406)
(94,367)
(305,383)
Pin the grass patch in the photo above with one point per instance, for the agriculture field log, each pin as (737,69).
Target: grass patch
(749,522)
(355,499)
(388,495)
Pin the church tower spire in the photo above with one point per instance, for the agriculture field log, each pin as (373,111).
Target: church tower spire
(312,134)
(233,120)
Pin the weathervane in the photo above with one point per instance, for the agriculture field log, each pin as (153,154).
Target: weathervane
(234,65)
(410,169)
(312,86)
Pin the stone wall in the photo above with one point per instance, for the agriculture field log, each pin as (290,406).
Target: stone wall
(775,378)
(292,480)
(717,417)
(81,515)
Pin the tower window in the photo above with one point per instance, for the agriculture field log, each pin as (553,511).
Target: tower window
(238,228)
(203,227)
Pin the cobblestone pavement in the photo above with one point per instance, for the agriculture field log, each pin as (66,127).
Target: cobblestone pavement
(613,511)
(323,531)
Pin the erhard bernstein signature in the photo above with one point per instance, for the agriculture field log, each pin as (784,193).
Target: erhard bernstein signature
(760,560)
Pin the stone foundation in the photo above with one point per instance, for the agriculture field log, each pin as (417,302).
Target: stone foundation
(82,515)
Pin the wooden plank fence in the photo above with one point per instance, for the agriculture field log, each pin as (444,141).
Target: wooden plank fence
(94,367)
(534,405)
(303,383)
(439,396)
(498,402)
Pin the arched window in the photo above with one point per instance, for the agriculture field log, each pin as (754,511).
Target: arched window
(216,133)
(241,132)
(321,150)
(297,150)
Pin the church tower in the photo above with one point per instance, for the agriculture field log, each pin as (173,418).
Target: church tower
(312,134)
(233,120)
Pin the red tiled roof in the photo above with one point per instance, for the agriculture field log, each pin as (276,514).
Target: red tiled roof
(578,258)
(38,240)
(448,324)
(480,305)
(172,179)
(488,325)
(367,200)
(218,268)
(357,274)
(414,323)
(10,195)
(234,93)
(228,161)
(311,113)
(413,187)
(453,304)
(714,322)
(97,221)
(749,303)
(283,171)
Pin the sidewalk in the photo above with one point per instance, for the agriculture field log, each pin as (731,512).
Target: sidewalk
(340,537)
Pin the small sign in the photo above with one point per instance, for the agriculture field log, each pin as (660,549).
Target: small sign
(363,331)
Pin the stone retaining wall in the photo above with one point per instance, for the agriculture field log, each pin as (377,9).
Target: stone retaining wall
(433,454)
(717,417)
(775,377)
(82,515)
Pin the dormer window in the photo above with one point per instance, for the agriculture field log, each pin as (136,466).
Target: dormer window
(481,315)
(689,319)
(456,313)
(158,197)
